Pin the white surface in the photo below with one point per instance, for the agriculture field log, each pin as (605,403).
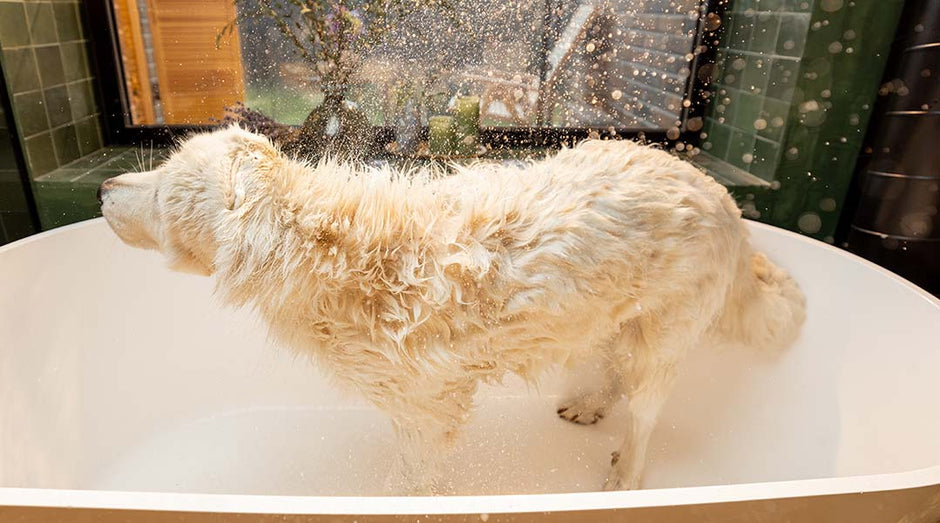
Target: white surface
(116,374)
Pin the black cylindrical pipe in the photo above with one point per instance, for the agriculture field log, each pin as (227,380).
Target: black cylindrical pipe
(897,221)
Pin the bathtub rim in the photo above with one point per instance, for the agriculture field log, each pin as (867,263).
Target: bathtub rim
(451,505)
(489,504)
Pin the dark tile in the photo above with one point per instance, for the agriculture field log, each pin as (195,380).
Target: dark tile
(17,225)
(67,22)
(792,35)
(7,158)
(89,135)
(765,159)
(96,158)
(783,78)
(747,112)
(740,149)
(754,77)
(719,136)
(764,33)
(41,20)
(57,106)
(81,99)
(12,195)
(768,5)
(20,66)
(733,68)
(40,154)
(94,177)
(13,30)
(65,203)
(66,144)
(60,176)
(797,6)
(774,114)
(739,35)
(30,109)
(49,62)
(75,61)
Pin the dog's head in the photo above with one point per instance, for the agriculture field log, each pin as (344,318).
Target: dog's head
(177,207)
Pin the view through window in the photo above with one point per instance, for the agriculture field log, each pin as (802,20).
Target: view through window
(618,63)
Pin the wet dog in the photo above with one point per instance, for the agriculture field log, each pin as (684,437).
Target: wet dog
(611,258)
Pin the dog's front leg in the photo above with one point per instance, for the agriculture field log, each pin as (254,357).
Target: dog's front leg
(416,470)
(426,431)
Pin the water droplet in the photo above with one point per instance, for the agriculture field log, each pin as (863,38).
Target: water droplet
(616,94)
(789,45)
(590,47)
(694,124)
(827,204)
(848,35)
(747,158)
(793,153)
(809,222)
(760,124)
(672,133)
(835,47)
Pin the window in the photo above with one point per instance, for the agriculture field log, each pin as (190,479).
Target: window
(622,64)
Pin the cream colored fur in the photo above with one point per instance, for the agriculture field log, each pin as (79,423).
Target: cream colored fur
(412,288)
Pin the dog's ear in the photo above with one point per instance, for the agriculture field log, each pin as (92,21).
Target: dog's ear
(237,183)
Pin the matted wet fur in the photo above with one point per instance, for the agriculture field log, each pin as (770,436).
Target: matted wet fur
(611,258)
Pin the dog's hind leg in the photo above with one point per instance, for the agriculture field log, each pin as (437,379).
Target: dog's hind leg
(592,388)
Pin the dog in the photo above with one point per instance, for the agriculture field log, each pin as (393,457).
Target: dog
(611,259)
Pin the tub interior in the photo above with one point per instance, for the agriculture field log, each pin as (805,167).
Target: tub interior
(117,374)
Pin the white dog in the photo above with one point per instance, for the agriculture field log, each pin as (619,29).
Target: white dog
(412,289)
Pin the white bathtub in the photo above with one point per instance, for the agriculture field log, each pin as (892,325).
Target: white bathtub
(128,393)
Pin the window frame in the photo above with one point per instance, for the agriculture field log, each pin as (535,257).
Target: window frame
(118,130)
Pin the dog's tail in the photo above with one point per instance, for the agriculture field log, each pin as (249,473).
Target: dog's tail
(764,309)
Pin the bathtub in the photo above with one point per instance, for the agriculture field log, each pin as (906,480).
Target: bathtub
(127,393)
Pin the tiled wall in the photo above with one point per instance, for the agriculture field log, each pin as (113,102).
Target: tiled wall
(15,222)
(797,82)
(45,58)
(760,59)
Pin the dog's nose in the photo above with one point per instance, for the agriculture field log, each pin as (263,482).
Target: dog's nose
(102,189)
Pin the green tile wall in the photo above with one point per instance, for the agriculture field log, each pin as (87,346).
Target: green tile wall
(15,221)
(792,100)
(45,57)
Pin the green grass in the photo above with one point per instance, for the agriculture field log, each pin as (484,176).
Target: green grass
(284,105)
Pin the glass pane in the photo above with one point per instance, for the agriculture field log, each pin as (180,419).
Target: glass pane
(532,63)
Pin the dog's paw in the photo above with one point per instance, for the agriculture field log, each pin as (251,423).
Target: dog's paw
(582,411)
(615,480)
